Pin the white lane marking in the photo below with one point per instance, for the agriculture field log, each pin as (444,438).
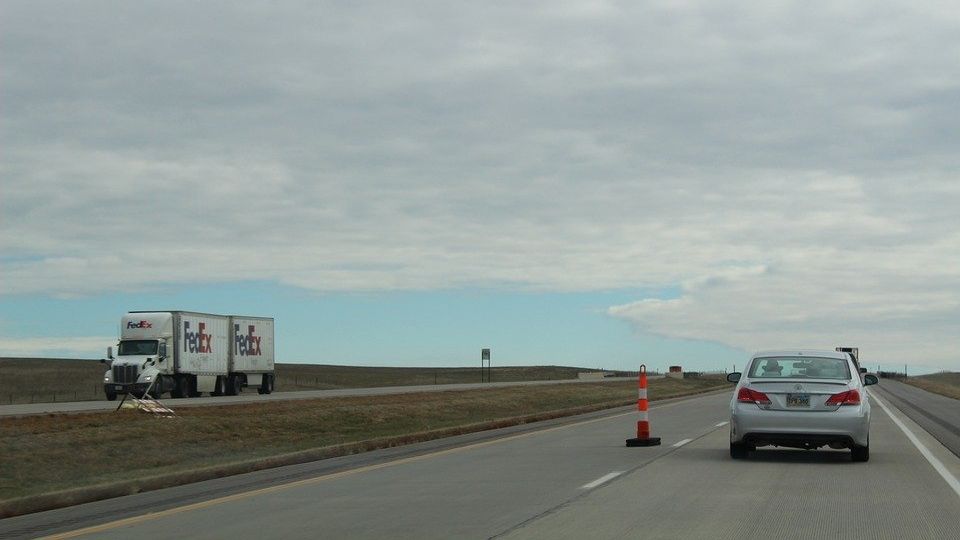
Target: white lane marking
(678,444)
(936,463)
(721,424)
(603,479)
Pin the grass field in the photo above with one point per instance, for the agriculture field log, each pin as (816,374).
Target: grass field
(43,380)
(57,452)
(945,384)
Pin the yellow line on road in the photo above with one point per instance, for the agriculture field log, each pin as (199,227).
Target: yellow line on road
(318,479)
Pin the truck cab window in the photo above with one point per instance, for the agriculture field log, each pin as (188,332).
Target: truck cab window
(137,347)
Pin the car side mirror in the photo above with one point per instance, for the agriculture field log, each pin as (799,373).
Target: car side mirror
(863,370)
(870,379)
(162,353)
(733,377)
(110,353)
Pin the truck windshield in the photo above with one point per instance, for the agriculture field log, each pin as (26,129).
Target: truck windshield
(137,346)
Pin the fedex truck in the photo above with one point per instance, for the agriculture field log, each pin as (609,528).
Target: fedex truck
(186,353)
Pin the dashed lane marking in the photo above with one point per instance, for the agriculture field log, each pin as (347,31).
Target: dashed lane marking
(602,480)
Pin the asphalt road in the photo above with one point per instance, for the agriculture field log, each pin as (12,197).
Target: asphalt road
(563,479)
(251,396)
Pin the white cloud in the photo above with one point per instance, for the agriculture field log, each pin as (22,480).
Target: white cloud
(763,157)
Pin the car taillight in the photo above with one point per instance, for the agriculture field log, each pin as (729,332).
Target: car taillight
(746,395)
(850,397)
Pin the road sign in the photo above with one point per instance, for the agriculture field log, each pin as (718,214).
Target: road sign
(485,359)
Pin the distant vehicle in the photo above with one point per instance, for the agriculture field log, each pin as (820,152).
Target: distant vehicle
(854,353)
(186,353)
(800,399)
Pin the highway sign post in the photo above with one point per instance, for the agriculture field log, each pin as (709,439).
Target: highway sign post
(485,361)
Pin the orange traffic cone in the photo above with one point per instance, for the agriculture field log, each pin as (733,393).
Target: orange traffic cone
(643,423)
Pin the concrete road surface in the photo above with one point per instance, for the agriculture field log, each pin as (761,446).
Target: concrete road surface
(572,479)
(251,396)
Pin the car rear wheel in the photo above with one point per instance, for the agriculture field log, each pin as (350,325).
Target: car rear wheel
(860,453)
(738,451)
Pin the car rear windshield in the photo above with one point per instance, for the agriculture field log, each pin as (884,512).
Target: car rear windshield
(799,367)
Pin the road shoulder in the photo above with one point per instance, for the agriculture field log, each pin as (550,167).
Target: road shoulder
(944,455)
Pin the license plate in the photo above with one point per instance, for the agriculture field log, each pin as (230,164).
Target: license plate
(798,400)
(118,387)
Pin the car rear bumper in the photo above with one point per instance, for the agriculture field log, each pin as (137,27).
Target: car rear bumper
(797,440)
(756,427)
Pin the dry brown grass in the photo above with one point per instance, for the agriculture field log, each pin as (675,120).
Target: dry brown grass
(44,380)
(945,384)
(56,452)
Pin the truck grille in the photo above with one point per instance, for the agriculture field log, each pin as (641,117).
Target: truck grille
(124,374)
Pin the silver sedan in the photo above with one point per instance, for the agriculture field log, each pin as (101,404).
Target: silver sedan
(800,399)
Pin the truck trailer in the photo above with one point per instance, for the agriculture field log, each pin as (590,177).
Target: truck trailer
(187,353)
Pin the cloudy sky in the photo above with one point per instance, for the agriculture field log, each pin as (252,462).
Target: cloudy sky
(587,183)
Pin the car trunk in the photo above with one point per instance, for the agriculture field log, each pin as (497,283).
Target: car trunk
(801,395)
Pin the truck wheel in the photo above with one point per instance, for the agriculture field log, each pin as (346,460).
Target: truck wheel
(190,386)
(156,391)
(218,389)
(178,387)
(233,385)
(267,385)
(111,396)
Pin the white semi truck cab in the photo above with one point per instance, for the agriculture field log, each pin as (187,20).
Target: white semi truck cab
(188,353)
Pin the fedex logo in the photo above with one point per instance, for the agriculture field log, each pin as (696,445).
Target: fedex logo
(141,324)
(248,345)
(197,342)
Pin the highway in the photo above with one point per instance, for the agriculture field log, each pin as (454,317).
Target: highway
(251,396)
(569,478)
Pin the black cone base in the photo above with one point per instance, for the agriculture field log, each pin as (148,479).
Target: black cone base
(649,441)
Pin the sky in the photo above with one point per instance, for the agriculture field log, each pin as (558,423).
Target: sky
(598,184)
